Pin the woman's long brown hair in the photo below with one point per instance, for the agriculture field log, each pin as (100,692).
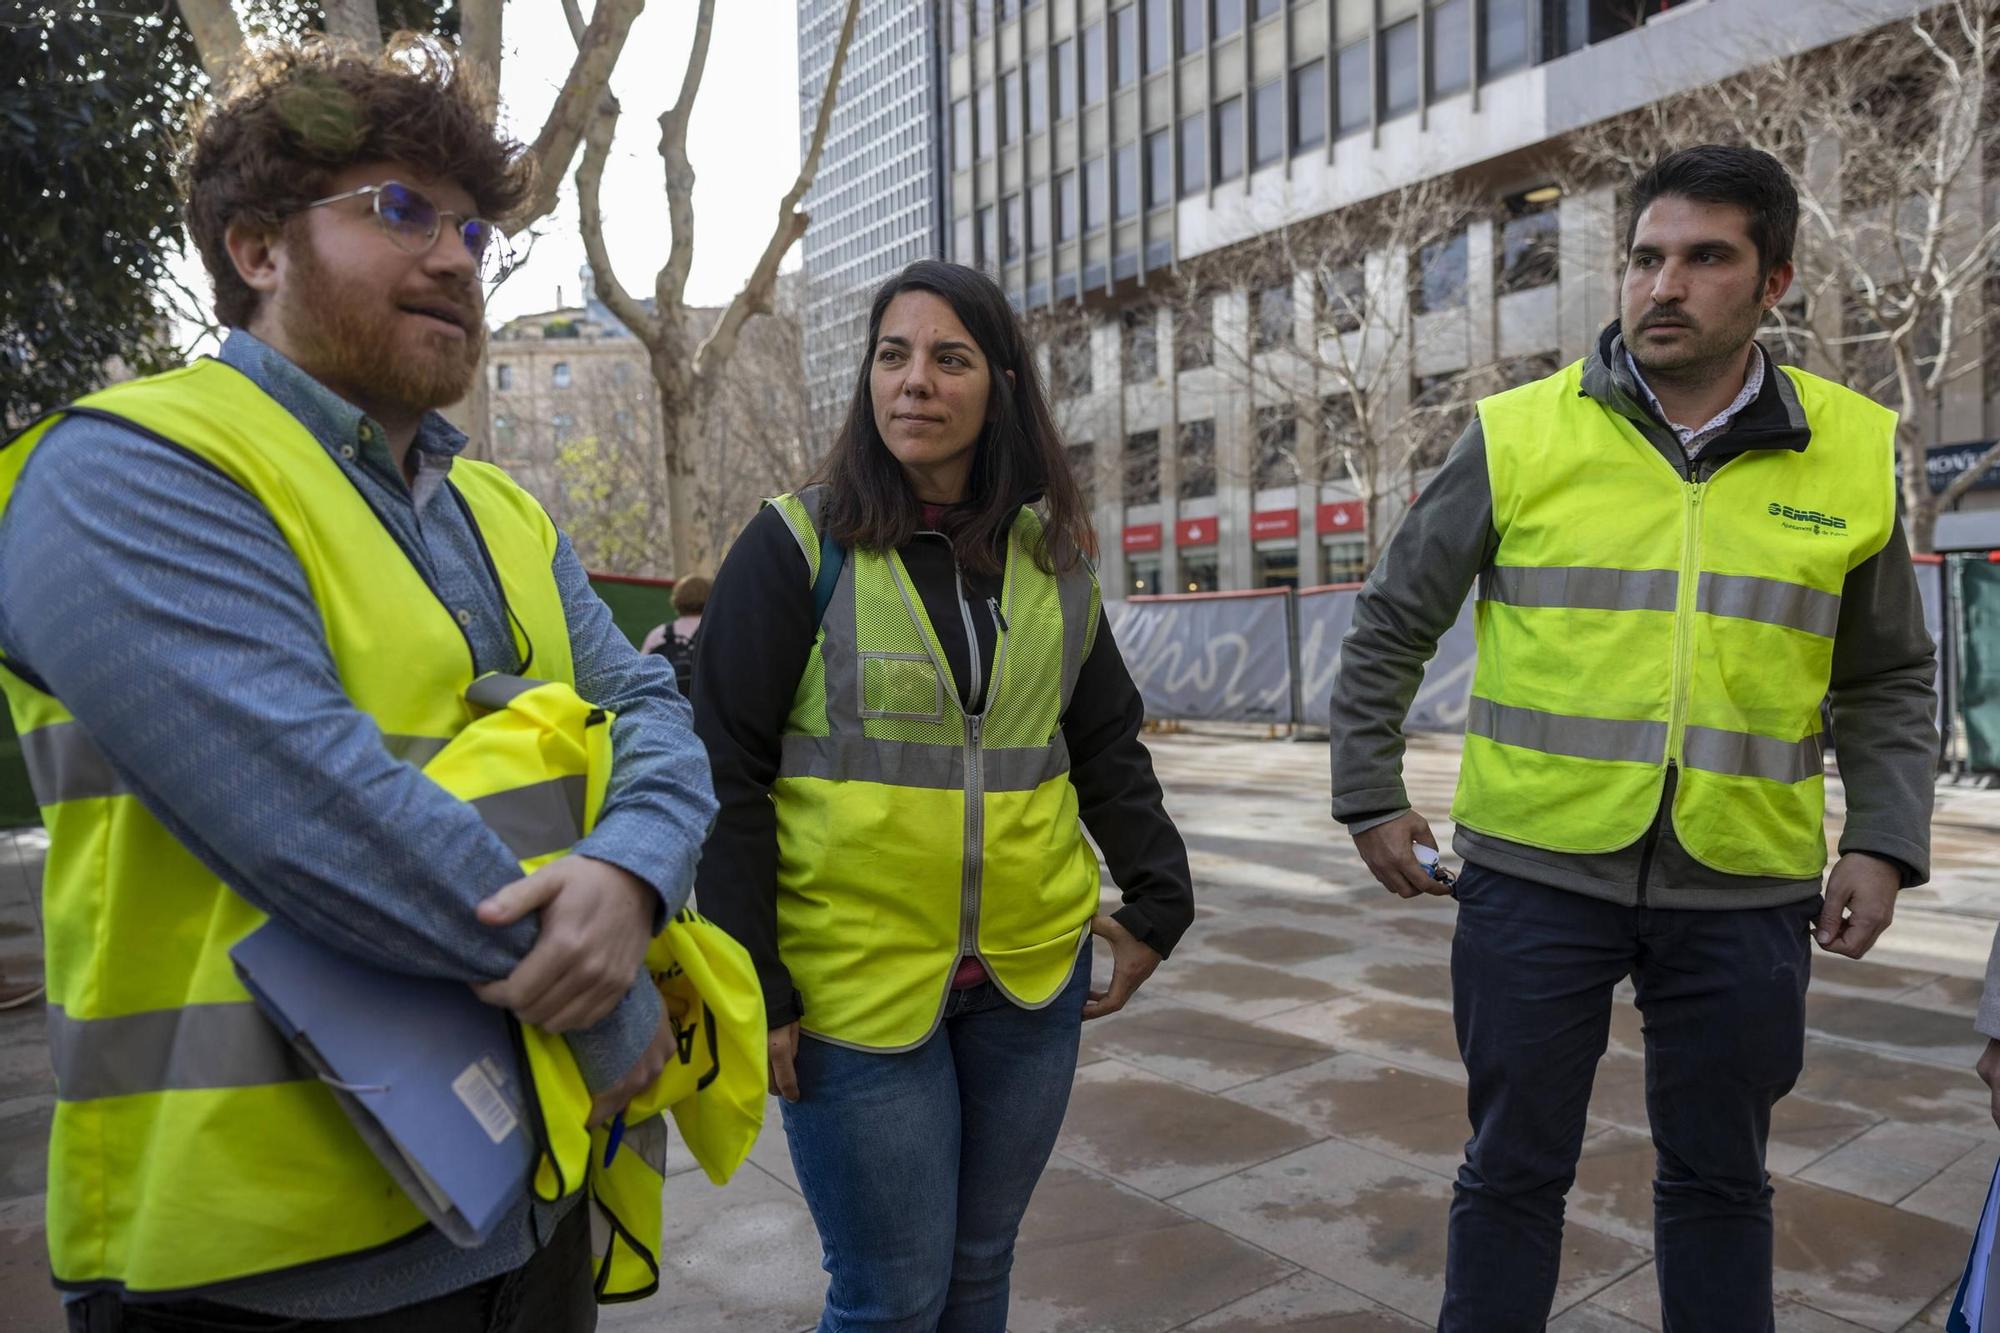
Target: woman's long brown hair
(1018,458)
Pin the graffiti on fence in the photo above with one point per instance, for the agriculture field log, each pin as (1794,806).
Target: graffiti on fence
(1223,659)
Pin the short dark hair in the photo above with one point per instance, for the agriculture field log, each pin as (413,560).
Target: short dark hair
(1018,457)
(1714,173)
(299,112)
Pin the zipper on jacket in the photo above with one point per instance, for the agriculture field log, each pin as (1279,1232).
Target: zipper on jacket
(975,780)
(999,621)
(1684,604)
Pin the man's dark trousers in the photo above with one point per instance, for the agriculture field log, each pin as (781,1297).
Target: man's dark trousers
(1722,996)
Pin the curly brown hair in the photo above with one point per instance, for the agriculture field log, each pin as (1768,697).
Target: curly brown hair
(297,113)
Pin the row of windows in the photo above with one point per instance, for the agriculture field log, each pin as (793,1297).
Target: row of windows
(1378,76)
(1526,256)
(1513,31)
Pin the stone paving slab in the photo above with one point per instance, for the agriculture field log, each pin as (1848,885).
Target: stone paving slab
(1265,1139)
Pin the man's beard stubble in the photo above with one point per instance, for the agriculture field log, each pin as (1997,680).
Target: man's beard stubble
(352,350)
(1710,351)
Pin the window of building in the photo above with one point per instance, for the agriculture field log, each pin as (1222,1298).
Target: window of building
(1038,92)
(1010,106)
(1345,561)
(1093,64)
(1142,468)
(1194,451)
(957,24)
(1159,169)
(1353,88)
(1265,9)
(1228,139)
(1145,572)
(984,121)
(1013,234)
(564,426)
(1277,447)
(503,377)
(1438,282)
(961,239)
(1194,28)
(1529,253)
(982,17)
(1504,36)
(1194,154)
(1065,79)
(1343,299)
(1125,180)
(559,375)
(985,243)
(1451,46)
(961,134)
(1339,436)
(1158,40)
(1139,344)
(1067,210)
(1272,327)
(1267,123)
(1199,571)
(1309,105)
(1125,45)
(1399,68)
(1038,216)
(1194,334)
(1228,17)
(1095,214)
(1277,567)
(1083,466)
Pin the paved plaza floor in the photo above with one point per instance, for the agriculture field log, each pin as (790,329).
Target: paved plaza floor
(1265,1139)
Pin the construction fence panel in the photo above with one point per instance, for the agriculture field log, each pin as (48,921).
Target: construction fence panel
(1979,656)
(1214,657)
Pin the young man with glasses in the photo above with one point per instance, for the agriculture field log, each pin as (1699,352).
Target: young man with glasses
(222,590)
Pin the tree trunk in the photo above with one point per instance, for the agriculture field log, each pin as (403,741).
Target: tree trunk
(1920,507)
(680,422)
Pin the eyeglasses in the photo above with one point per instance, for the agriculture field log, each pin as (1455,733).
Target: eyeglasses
(412,221)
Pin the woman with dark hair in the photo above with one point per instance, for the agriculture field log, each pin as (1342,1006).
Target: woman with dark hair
(913,708)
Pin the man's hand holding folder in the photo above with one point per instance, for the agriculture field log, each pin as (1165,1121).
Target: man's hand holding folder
(596,922)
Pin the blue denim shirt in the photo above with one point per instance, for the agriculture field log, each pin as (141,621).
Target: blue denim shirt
(161,603)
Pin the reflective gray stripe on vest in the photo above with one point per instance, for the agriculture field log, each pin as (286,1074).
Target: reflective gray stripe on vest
(166,1050)
(930,767)
(537,819)
(64,764)
(1604,738)
(1744,755)
(1580,588)
(1073,594)
(1771,601)
(496,691)
(417,750)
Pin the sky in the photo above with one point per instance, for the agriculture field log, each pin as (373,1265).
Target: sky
(742,140)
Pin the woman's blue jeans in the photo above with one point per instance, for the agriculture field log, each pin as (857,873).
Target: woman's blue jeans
(918,1166)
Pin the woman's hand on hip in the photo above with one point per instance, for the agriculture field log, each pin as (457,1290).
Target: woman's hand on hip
(1132,961)
(784,1049)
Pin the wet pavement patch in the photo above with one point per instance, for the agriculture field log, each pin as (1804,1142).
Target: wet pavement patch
(1266,944)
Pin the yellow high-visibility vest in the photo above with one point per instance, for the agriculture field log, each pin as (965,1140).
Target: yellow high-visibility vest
(1634,619)
(911,834)
(165,1174)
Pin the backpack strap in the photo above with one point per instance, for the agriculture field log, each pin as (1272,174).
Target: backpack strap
(831,557)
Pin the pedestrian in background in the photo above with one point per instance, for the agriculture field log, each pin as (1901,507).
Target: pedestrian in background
(910,695)
(675,641)
(1681,548)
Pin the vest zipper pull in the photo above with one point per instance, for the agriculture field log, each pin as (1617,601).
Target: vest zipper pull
(993,605)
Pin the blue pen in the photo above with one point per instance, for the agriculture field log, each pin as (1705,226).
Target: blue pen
(613,1139)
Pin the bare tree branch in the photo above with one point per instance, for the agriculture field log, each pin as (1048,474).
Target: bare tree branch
(589,180)
(755,298)
(562,134)
(671,286)
(218,36)
(356,21)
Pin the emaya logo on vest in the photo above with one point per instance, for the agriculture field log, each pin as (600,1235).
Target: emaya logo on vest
(1802,519)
